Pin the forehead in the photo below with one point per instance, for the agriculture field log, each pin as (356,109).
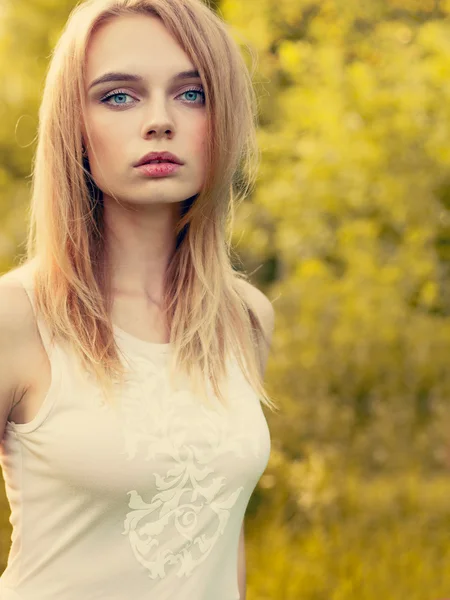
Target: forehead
(136,43)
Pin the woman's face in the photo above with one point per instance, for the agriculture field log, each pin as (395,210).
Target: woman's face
(160,112)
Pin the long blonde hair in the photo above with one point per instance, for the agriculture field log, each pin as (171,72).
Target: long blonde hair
(204,302)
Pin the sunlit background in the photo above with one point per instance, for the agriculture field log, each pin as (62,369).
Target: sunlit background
(348,232)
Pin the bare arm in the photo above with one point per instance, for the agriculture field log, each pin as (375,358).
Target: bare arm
(242,573)
(14,335)
(263,306)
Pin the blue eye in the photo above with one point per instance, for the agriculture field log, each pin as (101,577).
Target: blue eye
(106,99)
(118,93)
(194,91)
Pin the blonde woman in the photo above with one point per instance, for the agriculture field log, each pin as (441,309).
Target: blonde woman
(132,354)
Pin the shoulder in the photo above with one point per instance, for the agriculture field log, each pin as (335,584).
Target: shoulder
(261,304)
(16,313)
(263,307)
(13,298)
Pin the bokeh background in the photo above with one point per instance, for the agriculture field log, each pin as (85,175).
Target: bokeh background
(348,232)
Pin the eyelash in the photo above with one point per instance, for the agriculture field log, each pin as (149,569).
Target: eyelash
(119,92)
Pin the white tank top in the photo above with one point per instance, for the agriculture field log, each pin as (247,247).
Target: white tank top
(147,505)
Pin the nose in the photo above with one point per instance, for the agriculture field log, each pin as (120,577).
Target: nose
(158,121)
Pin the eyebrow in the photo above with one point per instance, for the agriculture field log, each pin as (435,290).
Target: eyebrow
(117,76)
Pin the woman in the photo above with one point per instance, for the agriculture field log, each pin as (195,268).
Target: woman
(127,463)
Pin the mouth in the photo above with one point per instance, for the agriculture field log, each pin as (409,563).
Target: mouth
(159,157)
(158,169)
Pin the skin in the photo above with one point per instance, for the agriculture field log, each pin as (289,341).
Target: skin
(155,115)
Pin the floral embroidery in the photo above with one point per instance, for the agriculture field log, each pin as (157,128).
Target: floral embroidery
(204,457)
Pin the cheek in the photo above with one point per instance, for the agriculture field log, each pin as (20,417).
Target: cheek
(107,134)
(198,139)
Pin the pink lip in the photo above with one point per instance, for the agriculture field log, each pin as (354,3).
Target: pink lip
(159,169)
(166,156)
